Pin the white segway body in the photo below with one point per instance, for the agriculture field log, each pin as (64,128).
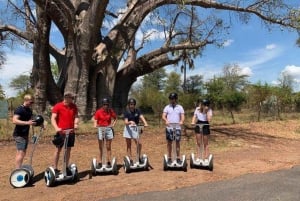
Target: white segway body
(140,163)
(174,164)
(200,162)
(104,168)
(23,176)
(51,179)
(113,168)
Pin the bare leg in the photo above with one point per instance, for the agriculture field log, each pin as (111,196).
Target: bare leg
(56,157)
(169,147)
(108,148)
(178,149)
(206,149)
(19,157)
(198,142)
(128,147)
(68,154)
(100,150)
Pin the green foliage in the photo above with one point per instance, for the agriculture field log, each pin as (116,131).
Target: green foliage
(173,83)
(21,83)
(55,71)
(155,80)
(2,94)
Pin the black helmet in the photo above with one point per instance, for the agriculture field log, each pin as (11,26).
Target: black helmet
(39,120)
(131,100)
(205,102)
(105,101)
(173,96)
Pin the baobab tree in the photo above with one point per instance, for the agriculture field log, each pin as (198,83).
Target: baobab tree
(98,61)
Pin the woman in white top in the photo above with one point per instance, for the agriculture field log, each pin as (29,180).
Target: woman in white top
(202,115)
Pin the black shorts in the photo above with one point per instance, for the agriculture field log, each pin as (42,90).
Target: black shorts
(205,128)
(71,140)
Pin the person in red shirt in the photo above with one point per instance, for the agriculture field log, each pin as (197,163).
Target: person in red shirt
(105,117)
(64,116)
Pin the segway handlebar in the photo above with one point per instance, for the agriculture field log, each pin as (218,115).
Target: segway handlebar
(67,131)
(174,125)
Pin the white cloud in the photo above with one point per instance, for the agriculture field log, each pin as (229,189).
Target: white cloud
(17,63)
(260,56)
(271,47)
(293,71)
(228,42)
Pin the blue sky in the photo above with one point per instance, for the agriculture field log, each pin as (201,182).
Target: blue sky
(262,54)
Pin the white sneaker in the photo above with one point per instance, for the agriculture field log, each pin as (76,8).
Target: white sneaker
(198,160)
(206,161)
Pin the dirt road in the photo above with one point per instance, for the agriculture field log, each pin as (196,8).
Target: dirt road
(237,149)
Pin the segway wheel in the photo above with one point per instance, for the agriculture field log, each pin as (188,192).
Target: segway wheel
(147,164)
(115,169)
(19,178)
(49,177)
(93,169)
(184,166)
(191,162)
(165,165)
(76,176)
(126,165)
(211,164)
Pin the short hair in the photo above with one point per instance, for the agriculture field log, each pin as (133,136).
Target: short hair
(28,97)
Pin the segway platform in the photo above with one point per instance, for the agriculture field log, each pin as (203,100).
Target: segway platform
(113,168)
(202,163)
(174,164)
(142,164)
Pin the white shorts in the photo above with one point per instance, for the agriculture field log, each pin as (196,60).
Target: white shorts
(130,132)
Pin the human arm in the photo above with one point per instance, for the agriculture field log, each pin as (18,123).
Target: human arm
(16,120)
(164,117)
(181,119)
(54,123)
(143,120)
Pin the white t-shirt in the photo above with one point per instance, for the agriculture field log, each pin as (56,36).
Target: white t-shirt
(202,116)
(173,113)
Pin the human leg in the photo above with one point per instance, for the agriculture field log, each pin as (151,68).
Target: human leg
(56,157)
(21,145)
(206,148)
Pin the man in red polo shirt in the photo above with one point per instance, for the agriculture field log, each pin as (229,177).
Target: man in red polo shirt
(64,116)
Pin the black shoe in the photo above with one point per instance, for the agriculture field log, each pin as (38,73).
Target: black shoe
(178,161)
(108,165)
(131,162)
(169,161)
(99,165)
(141,160)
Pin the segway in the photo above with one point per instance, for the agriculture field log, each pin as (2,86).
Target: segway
(23,176)
(174,164)
(95,168)
(71,174)
(201,162)
(141,163)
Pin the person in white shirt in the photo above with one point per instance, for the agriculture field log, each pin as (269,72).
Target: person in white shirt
(173,114)
(202,115)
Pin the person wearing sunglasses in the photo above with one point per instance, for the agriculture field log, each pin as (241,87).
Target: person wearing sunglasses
(64,116)
(22,119)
